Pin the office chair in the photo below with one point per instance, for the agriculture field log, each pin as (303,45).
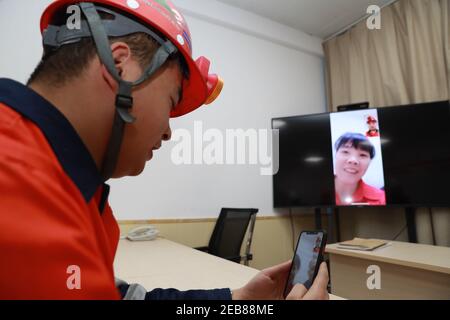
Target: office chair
(228,235)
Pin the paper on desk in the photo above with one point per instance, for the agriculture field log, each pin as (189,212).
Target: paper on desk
(362,244)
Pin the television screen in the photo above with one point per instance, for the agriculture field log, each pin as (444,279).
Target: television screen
(395,156)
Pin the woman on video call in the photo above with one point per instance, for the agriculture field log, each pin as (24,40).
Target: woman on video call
(354,153)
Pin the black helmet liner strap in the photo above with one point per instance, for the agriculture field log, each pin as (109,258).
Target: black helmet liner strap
(99,30)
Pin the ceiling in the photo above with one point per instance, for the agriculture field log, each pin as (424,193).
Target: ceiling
(320,18)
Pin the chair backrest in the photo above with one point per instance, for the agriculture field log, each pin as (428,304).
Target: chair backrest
(229,232)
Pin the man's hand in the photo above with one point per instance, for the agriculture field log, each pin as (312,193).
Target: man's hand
(318,290)
(269,284)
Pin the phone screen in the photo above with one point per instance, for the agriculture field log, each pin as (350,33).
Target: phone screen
(306,259)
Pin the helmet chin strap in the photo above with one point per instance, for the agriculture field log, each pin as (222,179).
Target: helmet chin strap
(124,99)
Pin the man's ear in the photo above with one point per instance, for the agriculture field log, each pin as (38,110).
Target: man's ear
(121,53)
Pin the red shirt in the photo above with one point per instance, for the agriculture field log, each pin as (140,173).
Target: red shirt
(365,194)
(372,133)
(54,211)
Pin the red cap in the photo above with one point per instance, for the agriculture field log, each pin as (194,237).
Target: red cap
(371,119)
(201,87)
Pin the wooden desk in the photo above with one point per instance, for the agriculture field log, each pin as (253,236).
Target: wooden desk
(165,264)
(408,271)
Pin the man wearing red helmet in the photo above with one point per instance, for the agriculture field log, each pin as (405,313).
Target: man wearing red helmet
(96,108)
(373,127)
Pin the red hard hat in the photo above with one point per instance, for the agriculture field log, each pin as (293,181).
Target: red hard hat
(201,87)
(371,119)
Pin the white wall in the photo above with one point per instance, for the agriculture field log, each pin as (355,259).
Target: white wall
(270,71)
(20,37)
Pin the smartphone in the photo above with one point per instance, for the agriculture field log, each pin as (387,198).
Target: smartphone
(307,259)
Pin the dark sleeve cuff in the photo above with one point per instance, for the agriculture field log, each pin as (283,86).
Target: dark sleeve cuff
(172,294)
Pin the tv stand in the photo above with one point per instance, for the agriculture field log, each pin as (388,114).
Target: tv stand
(333,219)
(318,218)
(410,215)
(334,234)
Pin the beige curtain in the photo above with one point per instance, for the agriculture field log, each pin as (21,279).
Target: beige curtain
(406,61)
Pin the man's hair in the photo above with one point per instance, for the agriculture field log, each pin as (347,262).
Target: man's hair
(357,141)
(58,66)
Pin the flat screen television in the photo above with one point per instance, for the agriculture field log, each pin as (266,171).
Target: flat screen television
(394,156)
